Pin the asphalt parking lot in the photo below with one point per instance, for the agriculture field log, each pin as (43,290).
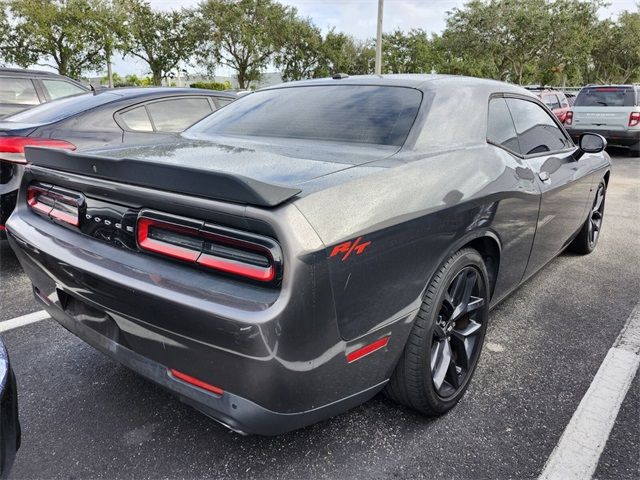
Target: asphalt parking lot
(84,416)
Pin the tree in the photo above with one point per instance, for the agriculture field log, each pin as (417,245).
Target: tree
(537,41)
(341,53)
(161,39)
(616,56)
(63,34)
(243,35)
(570,43)
(407,52)
(4,31)
(301,52)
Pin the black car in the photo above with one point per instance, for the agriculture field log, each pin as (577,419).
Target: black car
(311,244)
(22,89)
(9,422)
(107,117)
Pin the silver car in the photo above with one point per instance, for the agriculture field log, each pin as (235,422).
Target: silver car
(613,111)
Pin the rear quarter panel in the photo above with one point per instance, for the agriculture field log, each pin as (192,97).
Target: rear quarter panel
(415,215)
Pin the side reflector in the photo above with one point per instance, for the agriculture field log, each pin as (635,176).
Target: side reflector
(367,349)
(195,382)
(2,227)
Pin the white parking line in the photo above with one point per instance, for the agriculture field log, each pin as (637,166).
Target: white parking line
(23,320)
(578,452)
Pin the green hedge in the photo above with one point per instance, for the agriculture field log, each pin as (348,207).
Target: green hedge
(212,85)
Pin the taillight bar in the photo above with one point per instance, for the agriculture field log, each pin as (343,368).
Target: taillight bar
(55,203)
(634,119)
(230,251)
(12,148)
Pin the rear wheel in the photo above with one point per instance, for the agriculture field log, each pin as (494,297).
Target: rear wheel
(587,239)
(634,150)
(442,351)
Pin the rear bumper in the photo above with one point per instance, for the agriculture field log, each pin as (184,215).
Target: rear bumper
(625,138)
(277,355)
(233,411)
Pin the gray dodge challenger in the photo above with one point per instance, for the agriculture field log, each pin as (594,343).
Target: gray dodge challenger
(311,244)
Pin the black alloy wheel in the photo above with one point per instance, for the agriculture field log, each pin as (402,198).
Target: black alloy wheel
(454,349)
(445,342)
(597,214)
(587,239)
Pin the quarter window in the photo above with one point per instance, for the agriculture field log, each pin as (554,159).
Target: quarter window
(178,114)
(18,91)
(500,128)
(137,119)
(537,130)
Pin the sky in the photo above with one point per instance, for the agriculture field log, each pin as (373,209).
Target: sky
(358,18)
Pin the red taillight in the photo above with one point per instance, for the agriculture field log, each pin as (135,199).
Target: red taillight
(195,382)
(226,250)
(367,349)
(634,119)
(12,148)
(55,203)
(150,242)
(568,119)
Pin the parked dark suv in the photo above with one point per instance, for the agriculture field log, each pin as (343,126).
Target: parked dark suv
(21,89)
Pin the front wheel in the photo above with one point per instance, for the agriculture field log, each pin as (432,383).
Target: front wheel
(589,234)
(445,342)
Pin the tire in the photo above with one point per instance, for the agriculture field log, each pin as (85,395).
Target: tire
(634,150)
(587,238)
(414,382)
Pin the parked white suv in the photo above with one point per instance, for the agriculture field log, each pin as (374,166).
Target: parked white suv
(613,111)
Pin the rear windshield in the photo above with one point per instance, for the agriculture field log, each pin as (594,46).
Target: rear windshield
(62,108)
(379,115)
(606,97)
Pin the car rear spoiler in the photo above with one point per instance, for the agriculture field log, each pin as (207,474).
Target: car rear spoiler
(162,176)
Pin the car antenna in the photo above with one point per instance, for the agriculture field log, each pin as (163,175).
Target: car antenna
(340,76)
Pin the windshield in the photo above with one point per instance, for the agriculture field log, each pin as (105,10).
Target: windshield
(606,97)
(379,115)
(63,108)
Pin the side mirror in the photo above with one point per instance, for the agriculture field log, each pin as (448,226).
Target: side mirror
(589,143)
(592,143)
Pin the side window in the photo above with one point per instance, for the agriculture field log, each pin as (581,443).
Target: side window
(537,131)
(60,89)
(18,91)
(500,128)
(137,119)
(178,114)
(551,101)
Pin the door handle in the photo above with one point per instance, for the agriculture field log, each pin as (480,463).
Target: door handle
(544,176)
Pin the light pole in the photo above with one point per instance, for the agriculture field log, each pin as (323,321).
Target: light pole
(378,68)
